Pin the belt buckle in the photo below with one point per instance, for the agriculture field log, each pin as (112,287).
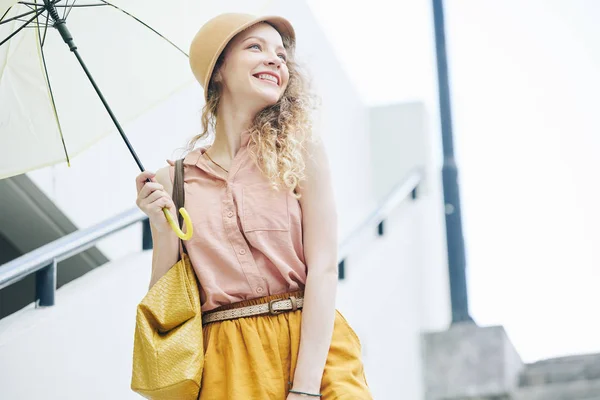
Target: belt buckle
(272,311)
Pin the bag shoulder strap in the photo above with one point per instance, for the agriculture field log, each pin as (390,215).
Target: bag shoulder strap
(179,198)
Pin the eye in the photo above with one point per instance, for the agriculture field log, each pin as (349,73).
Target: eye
(283,56)
(255,45)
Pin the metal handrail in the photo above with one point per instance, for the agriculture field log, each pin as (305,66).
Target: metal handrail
(42,261)
(397,195)
(400,192)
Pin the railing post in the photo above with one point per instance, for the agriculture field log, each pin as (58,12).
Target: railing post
(45,285)
(146,235)
(381,228)
(342,270)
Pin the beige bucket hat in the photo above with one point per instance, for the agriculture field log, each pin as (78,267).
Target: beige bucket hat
(214,35)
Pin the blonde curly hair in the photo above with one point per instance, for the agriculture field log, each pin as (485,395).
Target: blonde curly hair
(278,132)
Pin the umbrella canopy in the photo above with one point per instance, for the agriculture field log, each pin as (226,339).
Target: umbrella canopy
(135,50)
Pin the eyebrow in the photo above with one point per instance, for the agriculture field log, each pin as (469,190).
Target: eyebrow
(263,41)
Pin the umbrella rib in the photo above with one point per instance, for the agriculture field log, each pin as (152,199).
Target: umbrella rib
(26,3)
(21,27)
(7,11)
(146,25)
(43,41)
(36,27)
(36,5)
(30,7)
(83,5)
(74,5)
(65,10)
(52,102)
(45,29)
(3,21)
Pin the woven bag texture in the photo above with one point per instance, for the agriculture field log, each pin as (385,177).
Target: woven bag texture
(168,350)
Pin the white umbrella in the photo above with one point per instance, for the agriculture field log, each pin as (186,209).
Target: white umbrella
(136,51)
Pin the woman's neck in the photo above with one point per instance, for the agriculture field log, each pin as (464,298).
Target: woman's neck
(230,124)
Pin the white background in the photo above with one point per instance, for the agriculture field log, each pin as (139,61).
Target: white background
(525,97)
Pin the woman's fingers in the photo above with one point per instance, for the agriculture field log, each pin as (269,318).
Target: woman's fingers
(140,180)
(149,188)
(161,203)
(152,198)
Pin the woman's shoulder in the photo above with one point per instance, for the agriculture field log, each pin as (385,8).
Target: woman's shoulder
(165,175)
(191,157)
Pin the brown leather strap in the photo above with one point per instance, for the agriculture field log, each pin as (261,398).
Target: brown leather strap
(179,198)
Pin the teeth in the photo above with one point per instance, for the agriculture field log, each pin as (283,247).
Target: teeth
(268,77)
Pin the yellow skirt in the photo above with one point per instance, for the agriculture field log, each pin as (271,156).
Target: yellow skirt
(254,358)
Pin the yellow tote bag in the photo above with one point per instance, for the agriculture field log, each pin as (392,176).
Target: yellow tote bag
(168,350)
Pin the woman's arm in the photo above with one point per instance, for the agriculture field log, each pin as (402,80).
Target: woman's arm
(165,252)
(319,220)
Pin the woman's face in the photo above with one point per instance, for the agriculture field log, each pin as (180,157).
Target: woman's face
(254,67)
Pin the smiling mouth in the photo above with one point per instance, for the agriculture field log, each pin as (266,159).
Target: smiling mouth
(267,78)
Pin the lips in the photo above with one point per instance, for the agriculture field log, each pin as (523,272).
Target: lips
(268,77)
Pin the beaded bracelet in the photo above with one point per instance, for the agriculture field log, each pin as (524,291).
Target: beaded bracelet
(305,394)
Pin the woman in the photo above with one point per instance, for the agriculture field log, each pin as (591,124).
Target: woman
(265,224)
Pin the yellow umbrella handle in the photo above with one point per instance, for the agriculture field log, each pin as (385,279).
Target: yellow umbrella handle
(175,225)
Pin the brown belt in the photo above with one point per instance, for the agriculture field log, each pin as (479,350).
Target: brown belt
(273,307)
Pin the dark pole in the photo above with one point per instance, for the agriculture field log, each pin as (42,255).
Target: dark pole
(454,233)
(146,235)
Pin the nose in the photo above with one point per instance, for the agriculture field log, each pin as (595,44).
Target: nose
(273,59)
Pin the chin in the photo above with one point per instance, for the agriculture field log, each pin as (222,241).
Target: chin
(267,99)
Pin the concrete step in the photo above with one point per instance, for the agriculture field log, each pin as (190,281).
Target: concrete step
(563,378)
(563,369)
(574,390)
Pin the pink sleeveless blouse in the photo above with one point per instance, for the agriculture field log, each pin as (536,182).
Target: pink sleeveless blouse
(247,240)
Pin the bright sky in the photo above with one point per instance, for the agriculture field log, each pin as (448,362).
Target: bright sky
(525,92)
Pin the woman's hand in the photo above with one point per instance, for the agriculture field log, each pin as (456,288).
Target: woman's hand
(151,199)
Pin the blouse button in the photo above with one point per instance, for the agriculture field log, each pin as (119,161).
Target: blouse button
(242,251)
(230,214)
(259,290)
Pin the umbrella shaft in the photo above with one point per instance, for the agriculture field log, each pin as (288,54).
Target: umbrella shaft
(108,109)
(61,26)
